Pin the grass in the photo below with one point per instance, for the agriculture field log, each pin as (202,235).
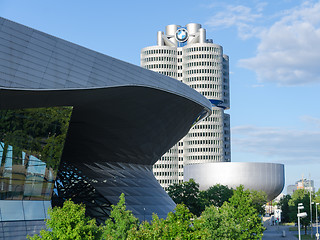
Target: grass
(288,224)
(296,229)
(306,236)
(293,228)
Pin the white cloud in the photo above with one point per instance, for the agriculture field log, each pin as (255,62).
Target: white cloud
(240,16)
(289,51)
(279,144)
(312,120)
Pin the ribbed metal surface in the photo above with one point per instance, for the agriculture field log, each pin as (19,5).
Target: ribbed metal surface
(268,177)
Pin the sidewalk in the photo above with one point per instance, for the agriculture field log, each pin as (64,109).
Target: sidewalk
(276,232)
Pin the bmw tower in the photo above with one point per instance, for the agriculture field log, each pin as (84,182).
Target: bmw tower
(184,53)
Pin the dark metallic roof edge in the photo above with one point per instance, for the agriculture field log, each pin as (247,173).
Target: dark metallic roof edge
(208,107)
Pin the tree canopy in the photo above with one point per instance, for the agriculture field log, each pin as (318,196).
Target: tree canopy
(216,195)
(219,223)
(189,194)
(246,214)
(284,206)
(69,223)
(259,199)
(300,196)
(237,219)
(120,221)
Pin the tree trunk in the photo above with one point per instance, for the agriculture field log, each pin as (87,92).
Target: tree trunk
(305,229)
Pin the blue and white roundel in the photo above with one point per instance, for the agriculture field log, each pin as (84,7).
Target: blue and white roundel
(182,35)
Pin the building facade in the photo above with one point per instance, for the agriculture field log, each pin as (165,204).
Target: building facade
(301,184)
(184,53)
(75,123)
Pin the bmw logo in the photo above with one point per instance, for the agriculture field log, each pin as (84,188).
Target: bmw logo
(182,35)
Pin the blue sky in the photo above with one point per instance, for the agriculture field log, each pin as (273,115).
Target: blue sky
(274,50)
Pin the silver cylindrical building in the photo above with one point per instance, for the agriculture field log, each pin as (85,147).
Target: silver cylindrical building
(267,177)
(184,53)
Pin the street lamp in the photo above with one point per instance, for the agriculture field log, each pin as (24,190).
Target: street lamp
(310,189)
(300,215)
(311,203)
(317,234)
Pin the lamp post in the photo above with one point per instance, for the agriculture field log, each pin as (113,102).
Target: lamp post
(310,189)
(300,215)
(311,213)
(311,203)
(317,234)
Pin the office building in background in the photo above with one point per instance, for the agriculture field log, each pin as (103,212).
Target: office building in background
(185,53)
(301,184)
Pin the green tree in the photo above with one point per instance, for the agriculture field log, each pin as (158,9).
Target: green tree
(146,230)
(259,199)
(119,222)
(69,223)
(216,195)
(317,196)
(317,200)
(284,206)
(177,225)
(246,215)
(219,223)
(300,196)
(187,193)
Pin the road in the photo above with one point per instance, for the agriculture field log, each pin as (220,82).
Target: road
(277,232)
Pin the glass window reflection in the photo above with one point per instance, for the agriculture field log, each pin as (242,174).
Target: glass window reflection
(31,144)
(11,210)
(47,205)
(34,210)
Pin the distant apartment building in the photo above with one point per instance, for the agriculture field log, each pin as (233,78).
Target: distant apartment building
(184,53)
(291,189)
(301,184)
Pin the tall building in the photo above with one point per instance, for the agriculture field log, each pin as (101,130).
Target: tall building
(301,184)
(68,131)
(186,54)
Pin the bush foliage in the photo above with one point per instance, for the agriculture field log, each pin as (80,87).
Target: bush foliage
(236,219)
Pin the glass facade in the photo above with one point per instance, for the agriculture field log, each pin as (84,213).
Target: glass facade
(31,144)
(72,183)
(109,148)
